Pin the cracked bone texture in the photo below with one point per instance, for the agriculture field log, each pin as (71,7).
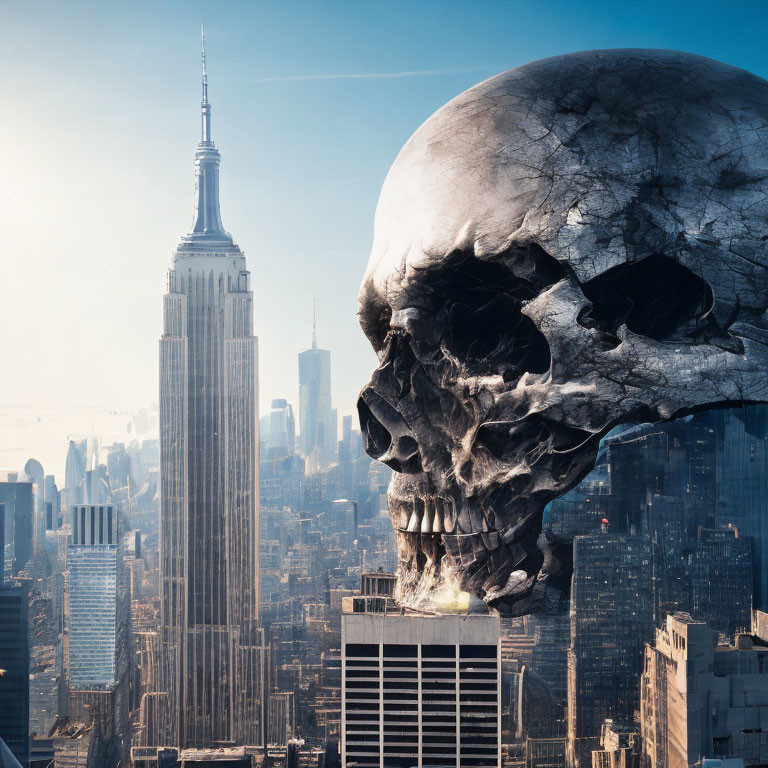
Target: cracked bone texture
(571,245)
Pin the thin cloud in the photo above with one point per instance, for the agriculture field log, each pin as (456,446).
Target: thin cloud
(364,75)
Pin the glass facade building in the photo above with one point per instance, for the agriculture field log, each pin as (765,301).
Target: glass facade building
(318,421)
(611,619)
(19,502)
(93,601)
(14,661)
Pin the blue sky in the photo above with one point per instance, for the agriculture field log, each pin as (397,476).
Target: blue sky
(311,103)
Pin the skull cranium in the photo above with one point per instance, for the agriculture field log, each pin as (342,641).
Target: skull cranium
(574,244)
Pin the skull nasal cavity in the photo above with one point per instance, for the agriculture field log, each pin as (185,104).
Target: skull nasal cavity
(386,435)
(376,437)
(485,329)
(654,297)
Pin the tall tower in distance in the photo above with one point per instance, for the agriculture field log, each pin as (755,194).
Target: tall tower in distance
(317,420)
(209,477)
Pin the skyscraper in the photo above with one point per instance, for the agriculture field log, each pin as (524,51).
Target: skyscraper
(35,474)
(611,618)
(317,418)
(97,604)
(14,662)
(19,501)
(719,571)
(209,475)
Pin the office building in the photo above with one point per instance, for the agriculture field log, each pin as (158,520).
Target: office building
(611,618)
(720,572)
(14,670)
(96,599)
(209,474)
(19,502)
(419,690)
(742,481)
(700,699)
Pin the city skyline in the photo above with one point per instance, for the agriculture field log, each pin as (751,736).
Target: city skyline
(276,68)
(540,540)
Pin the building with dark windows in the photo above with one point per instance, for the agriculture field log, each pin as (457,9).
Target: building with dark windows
(742,481)
(209,477)
(719,571)
(611,618)
(419,690)
(14,670)
(19,501)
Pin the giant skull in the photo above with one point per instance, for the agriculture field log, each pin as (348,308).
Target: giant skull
(570,245)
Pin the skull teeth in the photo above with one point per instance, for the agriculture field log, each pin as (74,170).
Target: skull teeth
(437,522)
(438,516)
(427,520)
(420,552)
(414,523)
(430,516)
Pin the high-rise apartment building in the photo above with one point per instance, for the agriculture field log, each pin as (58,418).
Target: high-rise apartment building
(611,618)
(14,670)
(419,690)
(96,598)
(209,475)
(317,420)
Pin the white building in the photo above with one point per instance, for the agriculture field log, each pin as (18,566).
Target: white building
(419,690)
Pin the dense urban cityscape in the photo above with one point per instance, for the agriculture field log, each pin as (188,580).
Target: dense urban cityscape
(222,589)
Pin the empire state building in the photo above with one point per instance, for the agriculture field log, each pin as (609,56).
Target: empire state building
(209,477)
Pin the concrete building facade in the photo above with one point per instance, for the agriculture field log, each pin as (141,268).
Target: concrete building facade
(702,700)
(420,690)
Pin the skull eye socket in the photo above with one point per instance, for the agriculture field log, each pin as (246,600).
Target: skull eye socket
(483,326)
(654,297)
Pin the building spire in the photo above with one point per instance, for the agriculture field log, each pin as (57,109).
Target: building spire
(206,224)
(205,107)
(314,323)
